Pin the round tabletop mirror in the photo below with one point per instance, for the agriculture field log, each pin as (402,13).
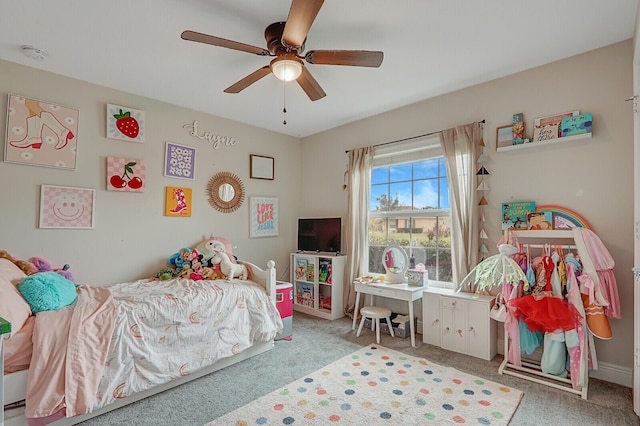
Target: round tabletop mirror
(226,192)
(396,263)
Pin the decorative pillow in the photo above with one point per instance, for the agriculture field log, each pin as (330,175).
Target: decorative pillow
(13,307)
(47,291)
(210,246)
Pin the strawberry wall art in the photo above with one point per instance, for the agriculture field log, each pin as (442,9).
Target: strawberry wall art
(126,175)
(41,133)
(124,123)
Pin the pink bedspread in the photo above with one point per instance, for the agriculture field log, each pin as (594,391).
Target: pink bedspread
(69,351)
(132,336)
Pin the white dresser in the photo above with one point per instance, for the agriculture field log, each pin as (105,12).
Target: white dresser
(459,322)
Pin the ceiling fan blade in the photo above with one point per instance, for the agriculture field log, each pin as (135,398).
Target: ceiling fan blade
(301,16)
(356,58)
(222,42)
(248,80)
(310,85)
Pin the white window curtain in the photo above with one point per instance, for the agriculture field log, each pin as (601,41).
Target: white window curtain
(356,245)
(460,148)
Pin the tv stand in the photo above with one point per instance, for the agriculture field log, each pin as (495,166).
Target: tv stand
(317,280)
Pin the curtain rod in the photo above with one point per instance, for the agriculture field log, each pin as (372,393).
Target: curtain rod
(409,138)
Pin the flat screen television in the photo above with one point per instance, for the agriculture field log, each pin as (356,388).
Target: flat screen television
(321,234)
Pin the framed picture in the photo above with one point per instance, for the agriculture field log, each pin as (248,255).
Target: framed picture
(263,215)
(261,167)
(179,161)
(41,133)
(66,207)
(125,124)
(518,129)
(504,136)
(177,202)
(126,175)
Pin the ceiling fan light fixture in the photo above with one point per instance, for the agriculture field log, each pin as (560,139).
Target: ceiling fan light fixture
(286,68)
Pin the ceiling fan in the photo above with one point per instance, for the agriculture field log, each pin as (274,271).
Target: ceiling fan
(285,41)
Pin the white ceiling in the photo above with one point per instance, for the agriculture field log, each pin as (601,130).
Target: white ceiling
(430,47)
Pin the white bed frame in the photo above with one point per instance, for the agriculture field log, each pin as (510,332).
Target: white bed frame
(15,384)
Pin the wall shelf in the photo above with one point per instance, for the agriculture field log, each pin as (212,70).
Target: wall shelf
(544,143)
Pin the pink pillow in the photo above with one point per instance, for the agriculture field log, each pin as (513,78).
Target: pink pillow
(13,307)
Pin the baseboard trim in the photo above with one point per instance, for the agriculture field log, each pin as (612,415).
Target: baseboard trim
(607,372)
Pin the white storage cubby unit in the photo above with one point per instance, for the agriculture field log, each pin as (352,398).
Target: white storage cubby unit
(459,322)
(317,284)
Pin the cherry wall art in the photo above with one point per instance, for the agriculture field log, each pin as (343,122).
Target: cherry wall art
(126,175)
(41,133)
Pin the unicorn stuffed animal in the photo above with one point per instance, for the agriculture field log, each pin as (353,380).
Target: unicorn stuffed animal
(228,268)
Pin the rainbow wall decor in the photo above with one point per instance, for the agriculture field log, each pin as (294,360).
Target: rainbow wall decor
(564,218)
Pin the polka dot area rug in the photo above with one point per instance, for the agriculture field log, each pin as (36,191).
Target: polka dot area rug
(376,385)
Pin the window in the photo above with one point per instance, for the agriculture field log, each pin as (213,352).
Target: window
(409,203)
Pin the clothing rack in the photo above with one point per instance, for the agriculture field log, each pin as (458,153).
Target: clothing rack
(530,370)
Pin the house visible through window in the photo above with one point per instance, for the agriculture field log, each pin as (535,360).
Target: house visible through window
(409,204)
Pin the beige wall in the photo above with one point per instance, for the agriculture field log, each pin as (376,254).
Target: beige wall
(592,176)
(132,238)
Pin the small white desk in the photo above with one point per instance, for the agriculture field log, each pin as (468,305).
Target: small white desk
(392,291)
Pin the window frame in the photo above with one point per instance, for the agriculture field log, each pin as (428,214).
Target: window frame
(416,150)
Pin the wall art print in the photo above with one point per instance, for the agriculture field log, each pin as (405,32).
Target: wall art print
(177,202)
(125,124)
(179,161)
(263,215)
(66,207)
(41,133)
(126,175)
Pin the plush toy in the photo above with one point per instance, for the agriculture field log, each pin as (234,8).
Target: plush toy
(42,265)
(212,273)
(25,266)
(229,269)
(165,274)
(208,248)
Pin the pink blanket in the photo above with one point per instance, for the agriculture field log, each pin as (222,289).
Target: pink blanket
(69,351)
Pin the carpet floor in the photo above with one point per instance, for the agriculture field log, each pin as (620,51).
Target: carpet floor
(377,385)
(317,343)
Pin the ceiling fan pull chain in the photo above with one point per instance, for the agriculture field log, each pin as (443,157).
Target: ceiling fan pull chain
(284,101)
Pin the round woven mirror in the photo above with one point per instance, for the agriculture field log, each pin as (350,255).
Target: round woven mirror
(226,192)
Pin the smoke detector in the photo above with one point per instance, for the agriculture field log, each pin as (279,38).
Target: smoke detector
(34,53)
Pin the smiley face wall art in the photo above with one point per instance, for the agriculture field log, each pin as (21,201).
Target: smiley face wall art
(66,207)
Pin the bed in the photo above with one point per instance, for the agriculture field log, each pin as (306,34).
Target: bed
(116,345)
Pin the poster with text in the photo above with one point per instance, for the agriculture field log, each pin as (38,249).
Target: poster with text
(263,216)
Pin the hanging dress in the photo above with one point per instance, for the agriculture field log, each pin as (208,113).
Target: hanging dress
(604,263)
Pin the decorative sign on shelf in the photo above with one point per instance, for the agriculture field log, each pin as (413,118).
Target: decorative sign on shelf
(215,140)
(545,133)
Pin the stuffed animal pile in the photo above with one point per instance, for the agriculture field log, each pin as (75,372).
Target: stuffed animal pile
(209,260)
(37,264)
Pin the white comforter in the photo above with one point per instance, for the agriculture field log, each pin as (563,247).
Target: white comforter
(169,329)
